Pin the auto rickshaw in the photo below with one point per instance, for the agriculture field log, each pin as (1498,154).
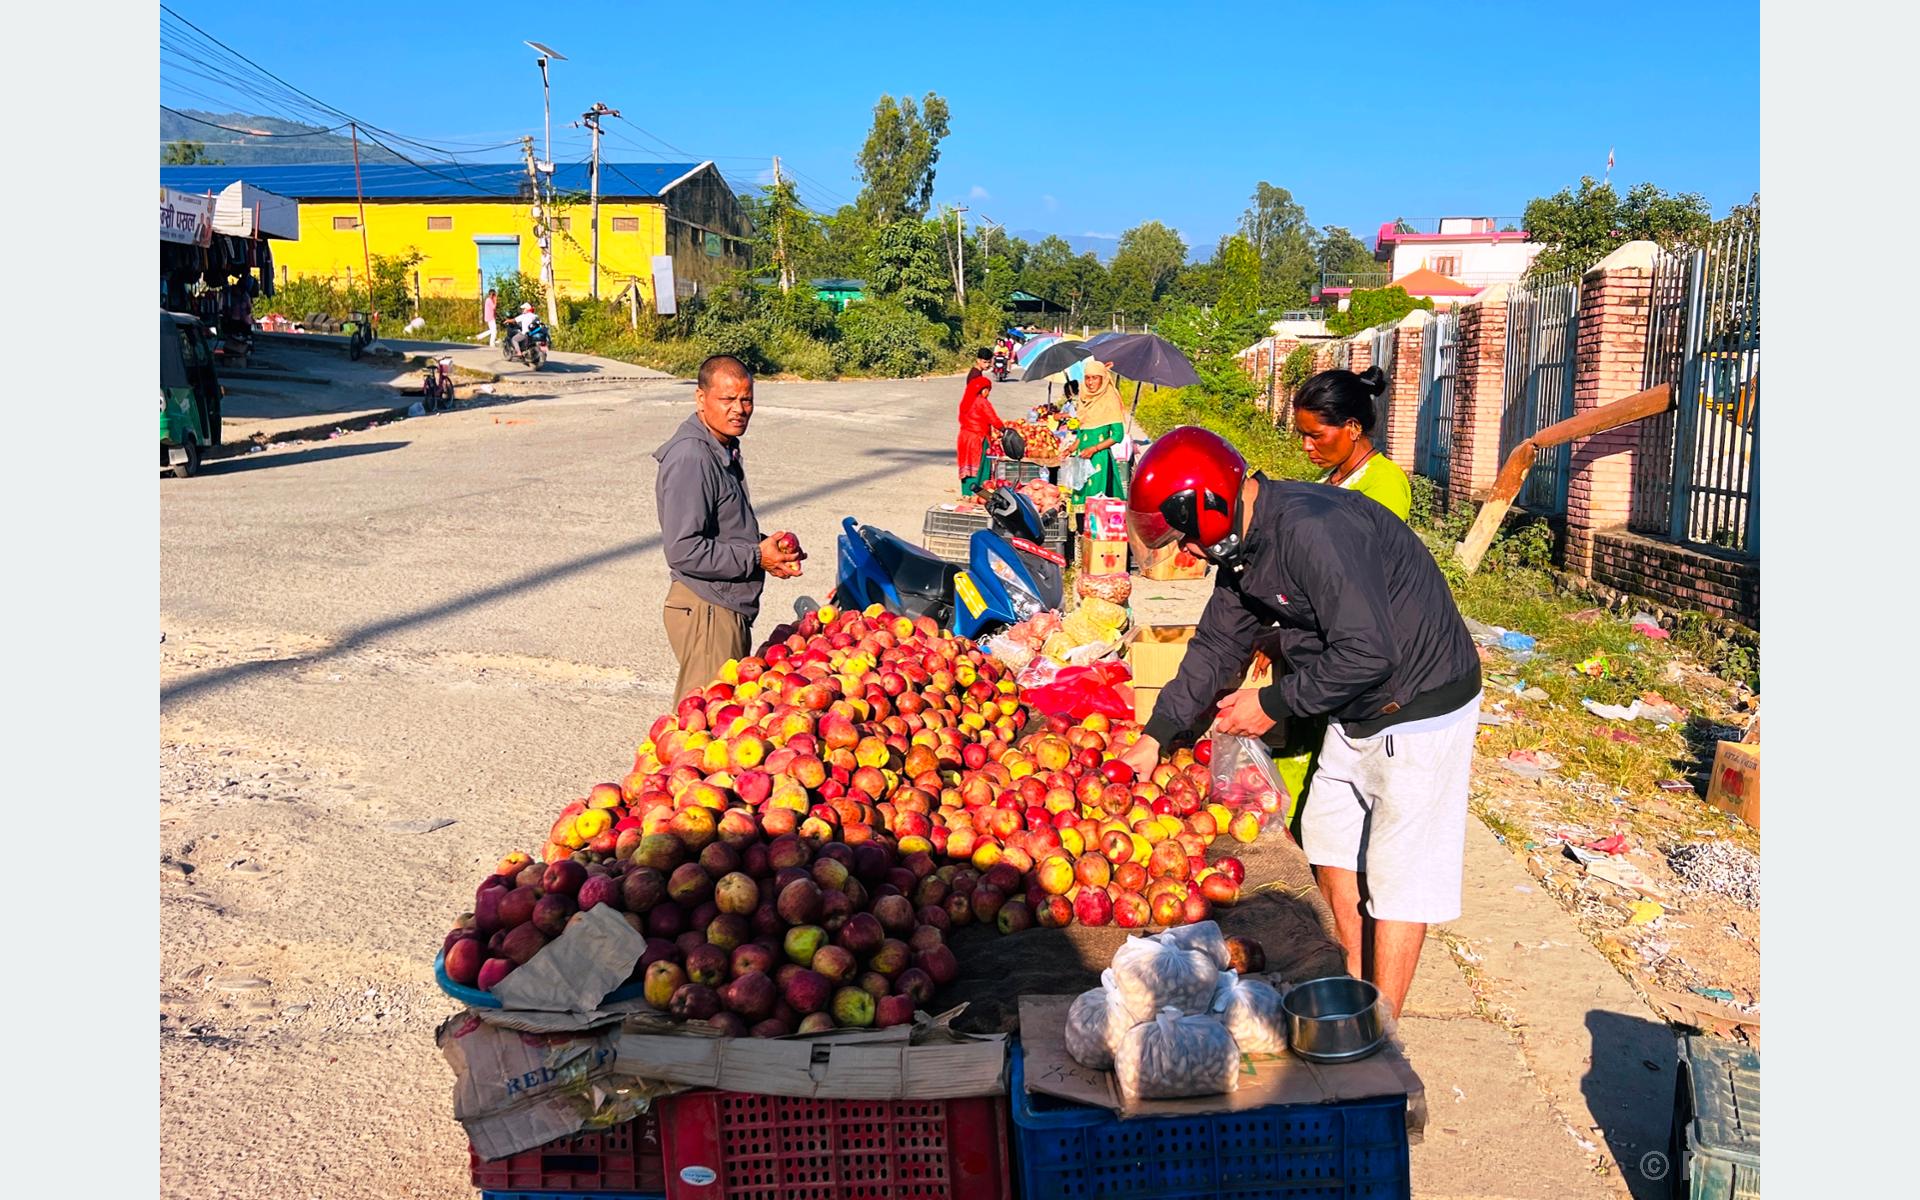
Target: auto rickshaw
(189,395)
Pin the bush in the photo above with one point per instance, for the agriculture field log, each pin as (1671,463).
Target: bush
(887,338)
(517,289)
(1297,367)
(1265,446)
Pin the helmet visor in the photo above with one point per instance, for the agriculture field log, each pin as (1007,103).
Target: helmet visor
(1153,529)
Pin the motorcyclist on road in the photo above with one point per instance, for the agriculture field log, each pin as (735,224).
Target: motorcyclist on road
(526,320)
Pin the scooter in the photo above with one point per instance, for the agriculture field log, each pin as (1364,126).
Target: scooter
(1008,578)
(535,355)
(1000,366)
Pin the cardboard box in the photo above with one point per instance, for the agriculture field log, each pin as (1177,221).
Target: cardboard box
(926,1061)
(1103,557)
(1154,654)
(1264,1078)
(1171,562)
(1735,784)
(1106,519)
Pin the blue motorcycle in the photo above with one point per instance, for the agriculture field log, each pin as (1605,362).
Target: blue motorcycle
(1008,577)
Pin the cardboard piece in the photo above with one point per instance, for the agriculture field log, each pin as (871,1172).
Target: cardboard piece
(1264,1078)
(1154,654)
(1100,557)
(574,972)
(865,1064)
(1171,562)
(513,1091)
(1735,784)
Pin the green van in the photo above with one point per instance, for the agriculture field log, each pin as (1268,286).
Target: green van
(189,395)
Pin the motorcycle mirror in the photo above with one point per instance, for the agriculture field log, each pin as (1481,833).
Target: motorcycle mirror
(805,605)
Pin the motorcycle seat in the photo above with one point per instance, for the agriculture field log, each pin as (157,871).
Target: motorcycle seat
(913,570)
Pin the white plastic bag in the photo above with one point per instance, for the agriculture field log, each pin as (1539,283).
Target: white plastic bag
(1096,1022)
(1204,936)
(1150,974)
(1250,1009)
(1075,473)
(1176,1055)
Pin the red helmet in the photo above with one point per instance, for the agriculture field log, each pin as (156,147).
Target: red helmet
(1186,487)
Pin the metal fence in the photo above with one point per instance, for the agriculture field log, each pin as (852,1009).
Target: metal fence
(1433,428)
(1543,319)
(1381,338)
(1696,474)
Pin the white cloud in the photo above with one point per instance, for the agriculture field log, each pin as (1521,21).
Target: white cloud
(1050,202)
(979,193)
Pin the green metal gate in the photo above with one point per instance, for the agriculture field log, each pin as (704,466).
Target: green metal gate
(1543,323)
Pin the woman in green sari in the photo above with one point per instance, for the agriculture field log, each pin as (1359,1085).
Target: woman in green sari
(1103,424)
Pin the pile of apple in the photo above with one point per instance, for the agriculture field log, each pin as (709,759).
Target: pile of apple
(757,935)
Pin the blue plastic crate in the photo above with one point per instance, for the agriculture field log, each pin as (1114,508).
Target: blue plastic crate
(571,1196)
(1353,1151)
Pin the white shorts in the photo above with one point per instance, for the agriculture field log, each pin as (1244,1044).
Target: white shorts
(1395,807)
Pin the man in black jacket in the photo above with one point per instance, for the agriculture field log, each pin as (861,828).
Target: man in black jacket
(1364,620)
(716,557)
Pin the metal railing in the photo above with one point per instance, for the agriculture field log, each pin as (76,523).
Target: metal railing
(1355,279)
(1433,427)
(1543,319)
(1696,477)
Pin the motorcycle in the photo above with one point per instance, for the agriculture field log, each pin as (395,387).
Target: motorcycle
(1008,577)
(1000,367)
(535,355)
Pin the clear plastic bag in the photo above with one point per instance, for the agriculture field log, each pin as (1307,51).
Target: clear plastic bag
(1096,1023)
(1176,1055)
(1150,975)
(1075,473)
(1204,936)
(1251,1011)
(1243,775)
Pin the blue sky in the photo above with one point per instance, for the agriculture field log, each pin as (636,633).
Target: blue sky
(1076,120)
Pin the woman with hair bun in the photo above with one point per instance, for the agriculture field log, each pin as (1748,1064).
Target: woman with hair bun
(1335,415)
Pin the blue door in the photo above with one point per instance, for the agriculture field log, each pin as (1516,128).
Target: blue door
(498,256)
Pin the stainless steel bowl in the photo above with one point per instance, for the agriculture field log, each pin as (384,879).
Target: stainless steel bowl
(1334,1020)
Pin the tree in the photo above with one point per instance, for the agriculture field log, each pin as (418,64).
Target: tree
(785,235)
(183,153)
(1144,267)
(1341,253)
(1368,307)
(906,263)
(1743,218)
(898,158)
(1239,278)
(1277,226)
(1579,227)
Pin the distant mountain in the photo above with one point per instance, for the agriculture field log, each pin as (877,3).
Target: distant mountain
(264,140)
(1102,247)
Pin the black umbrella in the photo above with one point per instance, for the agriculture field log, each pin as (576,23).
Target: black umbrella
(1055,358)
(1148,358)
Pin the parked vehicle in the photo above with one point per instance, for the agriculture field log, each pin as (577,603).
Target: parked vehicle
(189,395)
(1008,577)
(359,331)
(436,388)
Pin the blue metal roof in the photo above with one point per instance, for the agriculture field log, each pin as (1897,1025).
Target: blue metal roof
(432,181)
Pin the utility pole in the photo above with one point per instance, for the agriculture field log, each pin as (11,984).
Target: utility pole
(592,118)
(542,219)
(960,238)
(780,229)
(366,259)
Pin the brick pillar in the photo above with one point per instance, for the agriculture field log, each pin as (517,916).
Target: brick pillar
(1615,302)
(1359,352)
(1481,356)
(1400,414)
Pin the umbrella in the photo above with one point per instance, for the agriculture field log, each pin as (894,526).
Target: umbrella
(1033,347)
(1057,357)
(1108,336)
(1148,358)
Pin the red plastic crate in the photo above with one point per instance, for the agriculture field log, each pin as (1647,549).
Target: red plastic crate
(625,1158)
(736,1146)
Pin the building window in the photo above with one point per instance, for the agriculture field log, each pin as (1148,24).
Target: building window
(1447,264)
(346,223)
(566,224)
(440,287)
(439,224)
(626,224)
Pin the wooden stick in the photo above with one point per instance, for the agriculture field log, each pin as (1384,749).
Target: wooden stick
(1513,472)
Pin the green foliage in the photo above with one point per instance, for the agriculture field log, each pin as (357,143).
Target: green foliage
(1239,269)
(1428,504)
(519,288)
(393,286)
(303,295)
(1297,367)
(897,161)
(1743,218)
(1579,227)
(1144,267)
(1265,447)
(1282,237)
(1341,253)
(907,264)
(1368,307)
(888,338)
(183,153)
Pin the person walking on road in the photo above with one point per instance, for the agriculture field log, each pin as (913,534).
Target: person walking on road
(491,310)
(1362,615)
(717,560)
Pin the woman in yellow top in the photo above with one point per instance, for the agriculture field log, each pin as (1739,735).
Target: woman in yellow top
(1103,423)
(1335,415)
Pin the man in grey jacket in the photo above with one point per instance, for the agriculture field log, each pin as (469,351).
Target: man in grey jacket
(716,557)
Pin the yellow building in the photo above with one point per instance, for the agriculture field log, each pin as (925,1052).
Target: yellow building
(474,222)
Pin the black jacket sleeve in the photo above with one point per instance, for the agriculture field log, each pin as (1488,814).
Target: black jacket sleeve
(1215,661)
(1342,576)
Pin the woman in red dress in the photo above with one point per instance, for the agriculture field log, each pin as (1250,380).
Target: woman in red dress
(978,423)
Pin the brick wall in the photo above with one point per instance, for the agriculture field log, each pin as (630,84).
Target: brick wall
(1360,353)
(1401,415)
(1477,395)
(1677,576)
(1614,307)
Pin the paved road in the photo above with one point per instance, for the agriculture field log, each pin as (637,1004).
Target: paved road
(457,618)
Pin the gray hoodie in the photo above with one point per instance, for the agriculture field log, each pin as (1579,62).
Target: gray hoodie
(707,526)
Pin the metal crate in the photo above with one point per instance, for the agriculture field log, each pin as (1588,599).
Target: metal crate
(947,533)
(1016,470)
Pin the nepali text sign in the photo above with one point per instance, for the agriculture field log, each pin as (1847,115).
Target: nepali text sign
(186,218)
